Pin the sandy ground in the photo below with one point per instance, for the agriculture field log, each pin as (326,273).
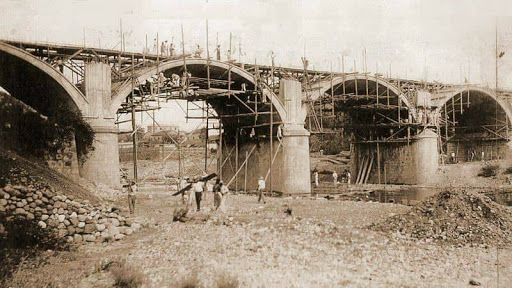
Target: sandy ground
(322,244)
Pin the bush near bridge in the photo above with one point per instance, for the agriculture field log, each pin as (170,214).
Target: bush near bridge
(27,132)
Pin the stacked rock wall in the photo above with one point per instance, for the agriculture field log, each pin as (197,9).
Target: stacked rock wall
(75,219)
(65,161)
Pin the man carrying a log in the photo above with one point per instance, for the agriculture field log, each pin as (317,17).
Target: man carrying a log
(198,191)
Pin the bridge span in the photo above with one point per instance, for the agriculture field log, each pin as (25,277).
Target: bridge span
(399,130)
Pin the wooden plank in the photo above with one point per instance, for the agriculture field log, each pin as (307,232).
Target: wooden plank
(369,170)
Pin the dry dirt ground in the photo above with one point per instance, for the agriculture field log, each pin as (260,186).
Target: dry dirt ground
(322,244)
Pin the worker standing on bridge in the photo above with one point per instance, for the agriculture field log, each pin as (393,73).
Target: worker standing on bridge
(198,52)
(155,46)
(172,53)
(335,178)
(261,187)
(217,50)
(163,48)
(348,177)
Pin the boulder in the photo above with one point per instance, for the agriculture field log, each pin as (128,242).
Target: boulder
(77,238)
(89,228)
(71,230)
(81,224)
(89,238)
(20,211)
(135,226)
(114,221)
(74,221)
(61,218)
(44,217)
(100,227)
(41,224)
(119,237)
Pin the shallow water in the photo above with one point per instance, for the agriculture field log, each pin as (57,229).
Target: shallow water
(414,195)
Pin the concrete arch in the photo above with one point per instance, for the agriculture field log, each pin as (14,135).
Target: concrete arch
(125,90)
(325,85)
(74,93)
(486,92)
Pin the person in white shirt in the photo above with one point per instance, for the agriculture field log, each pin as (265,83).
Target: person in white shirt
(261,187)
(335,177)
(198,191)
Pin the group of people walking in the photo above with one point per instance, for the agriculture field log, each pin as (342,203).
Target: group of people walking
(199,190)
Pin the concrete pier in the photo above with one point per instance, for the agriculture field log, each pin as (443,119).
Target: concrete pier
(401,162)
(102,164)
(296,176)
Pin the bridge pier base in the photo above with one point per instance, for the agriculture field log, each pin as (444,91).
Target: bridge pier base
(400,162)
(102,164)
(295,175)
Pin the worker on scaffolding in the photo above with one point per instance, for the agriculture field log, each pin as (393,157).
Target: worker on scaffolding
(175,78)
(261,187)
(335,178)
(184,79)
(280,132)
(349,176)
(60,64)
(198,52)
(161,80)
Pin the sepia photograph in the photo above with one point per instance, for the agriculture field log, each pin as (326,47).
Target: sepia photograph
(255,143)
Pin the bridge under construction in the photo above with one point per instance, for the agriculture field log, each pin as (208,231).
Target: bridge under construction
(397,130)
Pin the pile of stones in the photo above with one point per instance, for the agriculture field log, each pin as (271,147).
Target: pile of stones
(454,217)
(75,219)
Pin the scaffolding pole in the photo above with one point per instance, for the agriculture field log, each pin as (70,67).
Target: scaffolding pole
(134,126)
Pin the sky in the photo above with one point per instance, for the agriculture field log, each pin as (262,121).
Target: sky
(438,40)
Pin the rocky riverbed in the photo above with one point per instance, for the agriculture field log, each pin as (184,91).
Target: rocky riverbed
(285,243)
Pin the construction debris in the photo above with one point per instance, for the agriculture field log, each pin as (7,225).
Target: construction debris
(454,217)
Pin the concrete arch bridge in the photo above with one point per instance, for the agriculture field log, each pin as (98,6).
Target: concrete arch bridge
(401,130)
(397,127)
(102,83)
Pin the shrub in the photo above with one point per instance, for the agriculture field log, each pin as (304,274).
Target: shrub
(24,239)
(508,170)
(489,171)
(191,281)
(27,132)
(126,275)
(226,280)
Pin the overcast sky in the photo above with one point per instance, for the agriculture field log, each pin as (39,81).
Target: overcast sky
(444,40)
